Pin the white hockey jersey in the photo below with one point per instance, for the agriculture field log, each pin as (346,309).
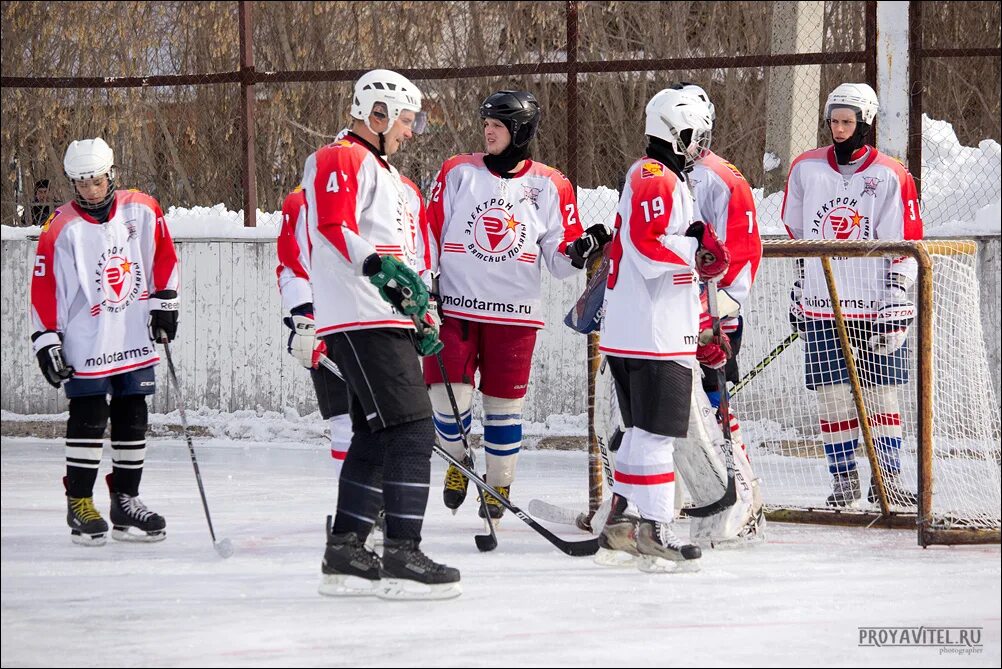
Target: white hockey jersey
(356,205)
(652,295)
(487,236)
(877,201)
(92,283)
(294,246)
(723,198)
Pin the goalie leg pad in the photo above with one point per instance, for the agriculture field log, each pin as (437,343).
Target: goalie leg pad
(446,428)
(839,426)
(502,438)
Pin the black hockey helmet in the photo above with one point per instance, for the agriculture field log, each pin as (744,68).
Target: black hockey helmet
(518,110)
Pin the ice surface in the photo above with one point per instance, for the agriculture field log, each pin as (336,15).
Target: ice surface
(796,601)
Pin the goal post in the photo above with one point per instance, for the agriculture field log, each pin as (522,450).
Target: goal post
(930,423)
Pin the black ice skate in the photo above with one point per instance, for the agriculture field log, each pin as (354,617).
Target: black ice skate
(494,507)
(456,484)
(407,573)
(896,495)
(128,511)
(349,568)
(845,489)
(87,526)
(662,551)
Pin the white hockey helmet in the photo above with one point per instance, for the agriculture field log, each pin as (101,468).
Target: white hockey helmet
(698,91)
(88,159)
(394,90)
(682,120)
(860,97)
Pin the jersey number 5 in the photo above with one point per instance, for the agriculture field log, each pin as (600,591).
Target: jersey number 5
(39,265)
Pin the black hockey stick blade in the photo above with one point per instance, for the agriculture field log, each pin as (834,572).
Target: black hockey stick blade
(485,542)
(574,548)
(728,500)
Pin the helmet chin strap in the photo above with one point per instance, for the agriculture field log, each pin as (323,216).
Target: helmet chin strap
(845,149)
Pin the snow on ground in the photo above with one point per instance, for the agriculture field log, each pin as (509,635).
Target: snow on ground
(799,600)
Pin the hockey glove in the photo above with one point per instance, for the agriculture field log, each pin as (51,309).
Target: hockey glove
(303,342)
(163,315)
(398,284)
(711,351)
(427,341)
(49,351)
(588,244)
(712,257)
(894,317)
(797,318)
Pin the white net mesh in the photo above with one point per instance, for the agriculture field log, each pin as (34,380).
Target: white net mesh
(796,436)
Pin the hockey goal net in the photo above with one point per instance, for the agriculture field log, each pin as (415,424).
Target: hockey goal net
(939,438)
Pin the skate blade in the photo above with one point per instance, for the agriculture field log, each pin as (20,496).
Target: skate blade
(347,585)
(81,539)
(650,564)
(405,589)
(125,534)
(606,557)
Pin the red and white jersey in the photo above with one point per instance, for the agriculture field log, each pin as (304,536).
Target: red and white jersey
(294,243)
(294,252)
(651,307)
(877,201)
(356,205)
(487,236)
(92,283)
(723,199)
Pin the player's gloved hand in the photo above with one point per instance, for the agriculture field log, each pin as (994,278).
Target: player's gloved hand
(427,342)
(163,315)
(894,317)
(798,321)
(49,351)
(588,244)
(711,350)
(303,342)
(712,257)
(397,283)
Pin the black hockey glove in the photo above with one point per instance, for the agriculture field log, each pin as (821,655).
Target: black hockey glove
(49,351)
(163,315)
(588,244)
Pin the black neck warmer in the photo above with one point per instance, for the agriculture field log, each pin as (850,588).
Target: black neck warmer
(503,163)
(660,150)
(100,212)
(844,150)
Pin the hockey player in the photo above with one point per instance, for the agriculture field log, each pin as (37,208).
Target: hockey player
(495,218)
(103,291)
(365,295)
(850,191)
(650,327)
(723,199)
(297,300)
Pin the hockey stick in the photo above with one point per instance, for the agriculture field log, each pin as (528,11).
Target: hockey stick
(731,492)
(575,548)
(225,546)
(769,357)
(330,366)
(485,542)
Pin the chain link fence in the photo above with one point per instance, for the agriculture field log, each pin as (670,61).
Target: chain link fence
(163,83)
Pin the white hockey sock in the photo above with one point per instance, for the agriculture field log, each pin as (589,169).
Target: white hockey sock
(645,474)
(340,439)
(502,438)
(446,428)
(839,426)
